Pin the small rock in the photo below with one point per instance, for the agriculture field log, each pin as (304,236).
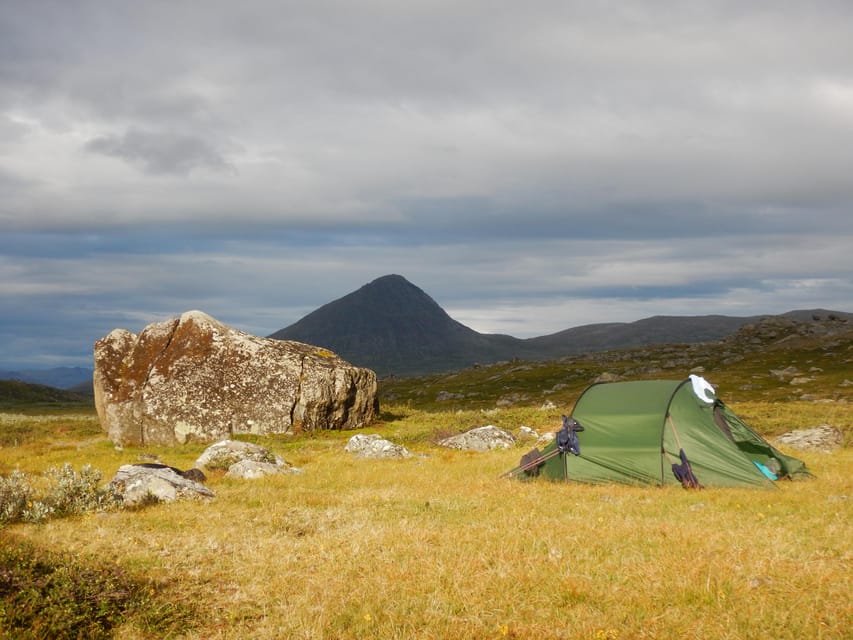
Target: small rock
(480,439)
(824,438)
(138,484)
(252,470)
(608,377)
(228,452)
(758,581)
(545,438)
(526,433)
(375,446)
(781,374)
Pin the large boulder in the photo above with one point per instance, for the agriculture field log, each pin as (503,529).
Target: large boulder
(195,379)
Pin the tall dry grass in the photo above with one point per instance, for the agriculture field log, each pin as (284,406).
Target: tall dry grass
(438,546)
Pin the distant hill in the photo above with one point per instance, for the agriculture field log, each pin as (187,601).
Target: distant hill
(16,392)
(59,377)
(777,359)
(393,327)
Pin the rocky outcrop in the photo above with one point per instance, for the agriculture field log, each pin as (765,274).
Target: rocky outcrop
(195,379)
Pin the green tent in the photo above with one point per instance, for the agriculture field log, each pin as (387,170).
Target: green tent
(659,432)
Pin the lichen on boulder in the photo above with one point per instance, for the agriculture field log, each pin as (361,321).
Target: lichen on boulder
(195,379)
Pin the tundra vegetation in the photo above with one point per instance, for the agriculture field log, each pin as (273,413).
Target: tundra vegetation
(438,545)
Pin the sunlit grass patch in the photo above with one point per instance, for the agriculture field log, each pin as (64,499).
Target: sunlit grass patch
(439,546)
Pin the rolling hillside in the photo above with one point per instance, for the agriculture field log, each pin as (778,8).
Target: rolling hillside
(17,393)
(776,359)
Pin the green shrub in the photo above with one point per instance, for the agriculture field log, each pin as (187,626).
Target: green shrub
(73,493)
(67,493)
(16,497)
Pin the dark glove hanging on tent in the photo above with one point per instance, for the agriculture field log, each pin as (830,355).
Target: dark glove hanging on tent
(567,437)
(684,473)
(531,462)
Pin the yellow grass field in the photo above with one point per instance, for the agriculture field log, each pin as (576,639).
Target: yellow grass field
(440,547)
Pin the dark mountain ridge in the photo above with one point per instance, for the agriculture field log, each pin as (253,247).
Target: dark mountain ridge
(393,327)
(58,377)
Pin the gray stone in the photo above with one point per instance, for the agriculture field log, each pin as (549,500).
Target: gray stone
(526,433)
(243,460)
(137,484)
(480,439)
(824,438)
(252,469)
(546,438)
(195,379)
(223,454)
(782,374)
(607,376)
(375,446)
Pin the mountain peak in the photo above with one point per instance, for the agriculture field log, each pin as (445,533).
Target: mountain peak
(388,325)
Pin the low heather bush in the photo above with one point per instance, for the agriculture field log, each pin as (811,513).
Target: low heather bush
(44,594)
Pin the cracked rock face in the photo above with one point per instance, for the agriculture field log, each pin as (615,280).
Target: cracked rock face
(195,379)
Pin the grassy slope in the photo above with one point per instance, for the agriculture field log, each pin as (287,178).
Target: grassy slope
(440,547)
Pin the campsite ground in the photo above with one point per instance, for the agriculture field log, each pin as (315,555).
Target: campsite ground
(439,546)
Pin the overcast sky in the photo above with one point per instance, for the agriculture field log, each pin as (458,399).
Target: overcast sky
(532,166)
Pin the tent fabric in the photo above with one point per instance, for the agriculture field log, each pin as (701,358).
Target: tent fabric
(635,432)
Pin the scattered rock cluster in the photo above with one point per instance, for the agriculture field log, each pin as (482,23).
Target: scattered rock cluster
(243,460)
(154,482)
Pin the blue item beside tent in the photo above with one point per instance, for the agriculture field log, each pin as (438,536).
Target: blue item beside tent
(765,470)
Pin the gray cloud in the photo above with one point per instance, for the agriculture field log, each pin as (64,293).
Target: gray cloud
(159,153)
